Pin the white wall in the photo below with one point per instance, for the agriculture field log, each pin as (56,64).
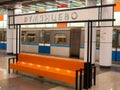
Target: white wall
(29,48)
(60,51)
(9,41)
(117,17)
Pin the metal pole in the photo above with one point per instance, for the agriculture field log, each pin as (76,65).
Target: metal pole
(101,10)
(113,17)
(94,75)
(16,42)
(9,65)
(19,38)
(116,44)
(16,39)
(88,41)
(76,88)
(86,64)
(91,43)
(80,86)
(90,64)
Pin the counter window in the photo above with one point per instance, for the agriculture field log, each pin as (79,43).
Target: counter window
(114,38)
(44,37)
(41,37)
(60,39)
(47,37)
(3,36)
(23,37)
(31,37)
(118,39)
(98,39)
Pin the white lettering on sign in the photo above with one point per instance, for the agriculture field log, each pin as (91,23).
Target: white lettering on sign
(61,16)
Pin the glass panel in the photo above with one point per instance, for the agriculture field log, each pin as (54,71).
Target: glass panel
(23,36)
(119,39)
(31,37)
(114,39)
(41,37)
(98,39)
(2,35)
(82,38)
(47,37)
(60,38)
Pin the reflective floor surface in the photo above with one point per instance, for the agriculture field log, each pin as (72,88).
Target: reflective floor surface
(107,79)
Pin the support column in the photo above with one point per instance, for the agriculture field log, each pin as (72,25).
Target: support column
(16,34)
(106,37)
(15,40)
(90,3)
(12,33)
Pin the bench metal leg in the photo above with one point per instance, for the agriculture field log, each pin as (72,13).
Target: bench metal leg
(13,61)
(8,65)
(76,86)
(94,75)
(80,86)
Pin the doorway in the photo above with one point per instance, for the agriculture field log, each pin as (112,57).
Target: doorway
(75,43)
(116,46)
(44,42)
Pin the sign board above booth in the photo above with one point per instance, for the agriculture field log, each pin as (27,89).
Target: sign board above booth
(70,15)
(61,16)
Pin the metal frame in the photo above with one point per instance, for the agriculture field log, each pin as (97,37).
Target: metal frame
(80,80)
(103,20)
(98,20)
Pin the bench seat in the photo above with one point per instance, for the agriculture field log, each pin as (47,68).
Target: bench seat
(55,68)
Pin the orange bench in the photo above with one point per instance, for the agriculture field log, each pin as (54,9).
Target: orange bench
(61,69)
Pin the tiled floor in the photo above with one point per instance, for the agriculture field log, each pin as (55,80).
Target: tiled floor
(106,79)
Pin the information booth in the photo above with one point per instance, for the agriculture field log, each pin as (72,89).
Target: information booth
(88,15)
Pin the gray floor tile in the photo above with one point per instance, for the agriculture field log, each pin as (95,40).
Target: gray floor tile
(107,79)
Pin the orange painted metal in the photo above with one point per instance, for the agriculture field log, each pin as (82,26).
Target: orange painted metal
(1,17)
(61,69)
(117,7)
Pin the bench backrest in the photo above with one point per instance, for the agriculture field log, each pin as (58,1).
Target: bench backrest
(63,63)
